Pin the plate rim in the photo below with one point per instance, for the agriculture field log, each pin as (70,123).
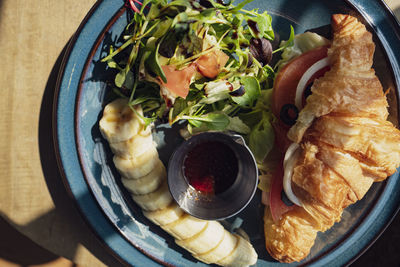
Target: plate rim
(396,22)
(57,149)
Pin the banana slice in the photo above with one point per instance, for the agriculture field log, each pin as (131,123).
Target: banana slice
(136,167)
(224,248)
(119,122)
(158,199)
(165,216)
(147,183)
(205,240)
(243,255)
(186,227)
(144,175)
(135,146)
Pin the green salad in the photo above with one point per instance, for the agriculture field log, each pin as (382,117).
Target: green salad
(205,63)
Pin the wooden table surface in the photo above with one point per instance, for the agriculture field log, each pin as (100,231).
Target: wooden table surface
(33,200)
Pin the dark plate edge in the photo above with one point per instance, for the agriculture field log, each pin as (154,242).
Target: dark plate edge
(391,14)
(351,232)
(64,179)
(392,17)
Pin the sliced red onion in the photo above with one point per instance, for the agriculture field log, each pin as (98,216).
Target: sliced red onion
(301,86)
(291,156)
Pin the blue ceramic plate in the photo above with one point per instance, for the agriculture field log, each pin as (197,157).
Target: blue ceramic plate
(90,177)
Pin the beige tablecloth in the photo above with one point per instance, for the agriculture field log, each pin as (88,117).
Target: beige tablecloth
(33,35)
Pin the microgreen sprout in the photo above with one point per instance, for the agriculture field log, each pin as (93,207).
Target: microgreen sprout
(180,33)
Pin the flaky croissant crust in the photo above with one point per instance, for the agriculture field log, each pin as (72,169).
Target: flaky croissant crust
(346,143)
(351,86)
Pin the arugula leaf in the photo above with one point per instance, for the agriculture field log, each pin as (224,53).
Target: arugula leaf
(139,100)
(237,21)
(207,14)
(261,140)
(237,125)
(152,63)
(126,74)
(179,107)
(181,3)
(196,123)
(161,111)
(112,64)
(240,6)
(170,41)
(125,78)
(266,74)
(214,121)
(287,43)
(252,92)
(154,11)
(147,121)
(179,19)
(268,31)
(251,118)
(220,29)
(174,8)
(243,59)
(216,91)
(162,28)
(264,101)
(263,25)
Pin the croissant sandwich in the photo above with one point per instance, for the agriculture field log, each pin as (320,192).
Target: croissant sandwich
(342,141)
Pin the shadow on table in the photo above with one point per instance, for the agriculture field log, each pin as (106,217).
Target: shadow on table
(1,13)
(17,248)
(396,13)
(64,221)
(79,232)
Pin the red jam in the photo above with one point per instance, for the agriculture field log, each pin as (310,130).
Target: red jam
(211,167)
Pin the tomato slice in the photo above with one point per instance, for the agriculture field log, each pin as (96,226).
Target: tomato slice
(277,206)
(178,81)
(283,94)
(210,64)
(282,142)
(285,84)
